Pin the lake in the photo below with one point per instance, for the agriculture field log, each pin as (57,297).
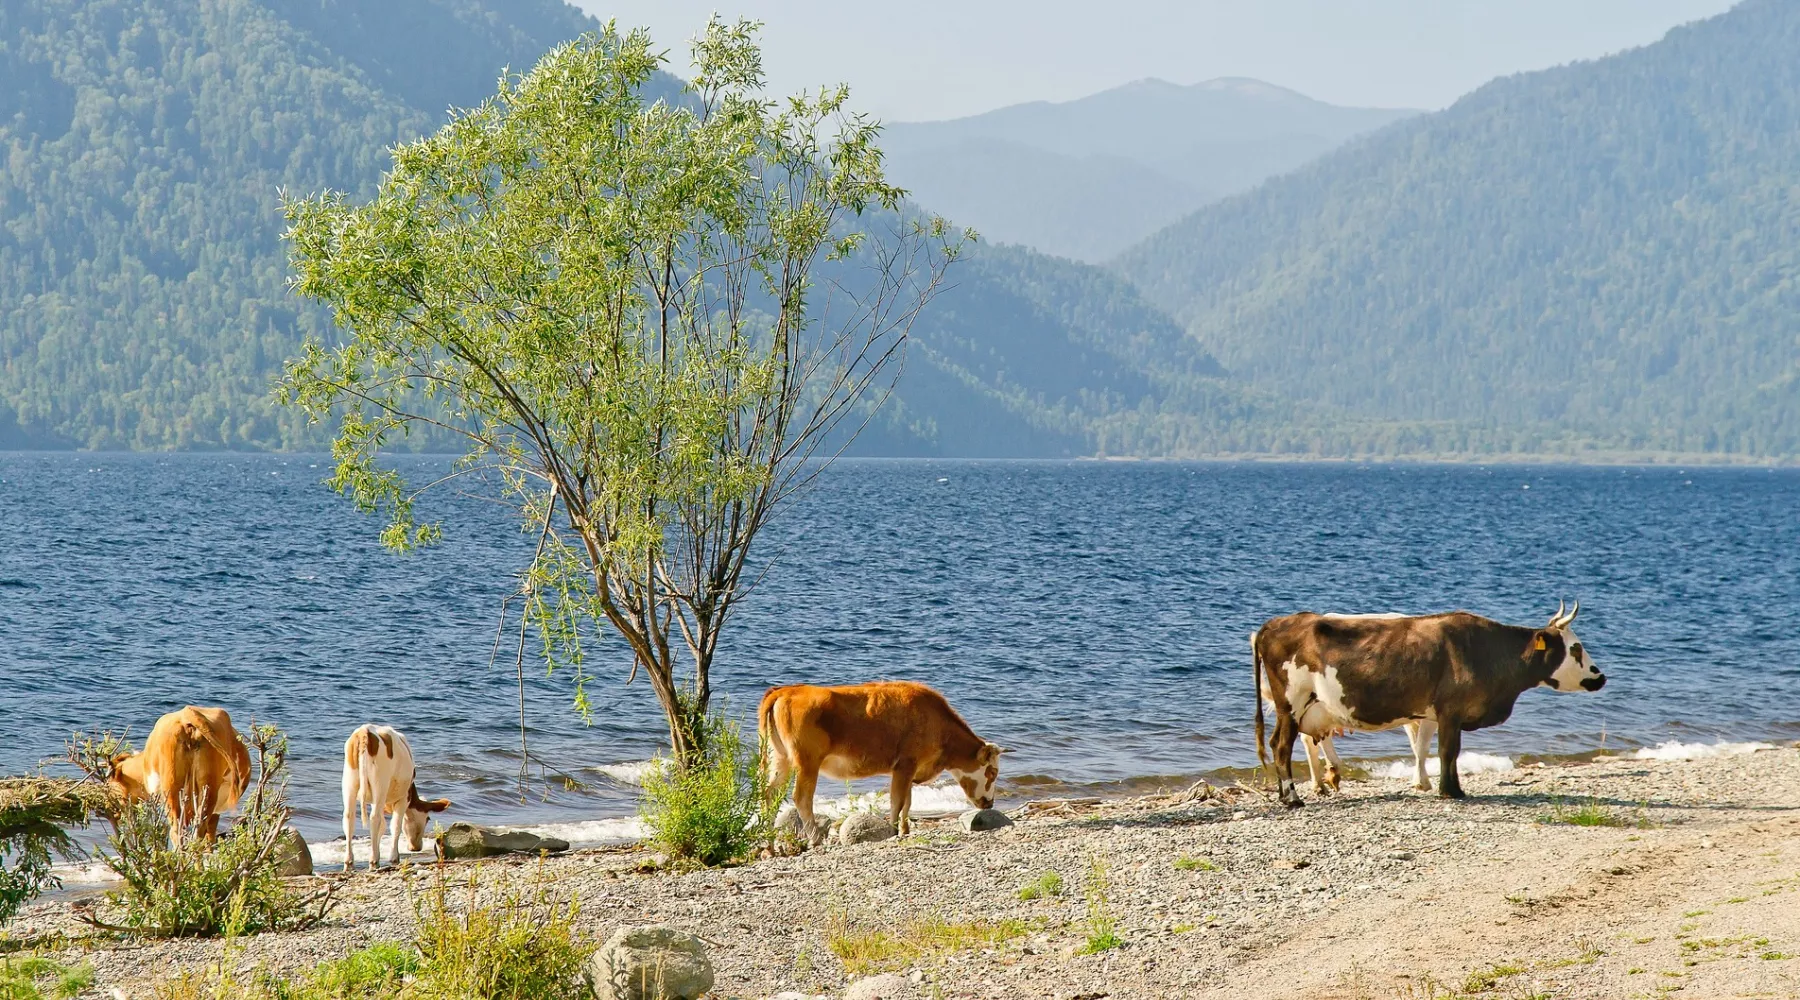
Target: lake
(1093,616)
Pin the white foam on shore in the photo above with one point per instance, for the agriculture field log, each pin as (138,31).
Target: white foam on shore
(927,801)
(1468,763)
(630,772)
(1675,750)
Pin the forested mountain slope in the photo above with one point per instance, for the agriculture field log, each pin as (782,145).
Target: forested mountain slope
(1602,255)
(1087,178)
(142,278)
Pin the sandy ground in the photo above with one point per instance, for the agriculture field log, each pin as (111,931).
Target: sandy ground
(1379,892)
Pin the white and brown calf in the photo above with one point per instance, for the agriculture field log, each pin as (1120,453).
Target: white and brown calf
(379,777)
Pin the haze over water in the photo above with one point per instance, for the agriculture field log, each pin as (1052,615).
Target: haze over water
(1093,616)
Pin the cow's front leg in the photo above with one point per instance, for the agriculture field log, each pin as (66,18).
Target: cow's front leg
(395,820)
(1449,748)
(1419,734)
(804,785)
(900,799)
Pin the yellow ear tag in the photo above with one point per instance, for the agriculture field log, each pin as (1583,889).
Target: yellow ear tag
(1539,644)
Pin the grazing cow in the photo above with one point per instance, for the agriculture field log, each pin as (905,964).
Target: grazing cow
(193,764)
(1456,671)
(379,776)
(896,728)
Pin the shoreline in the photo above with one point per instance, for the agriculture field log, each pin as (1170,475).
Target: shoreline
(1365,895)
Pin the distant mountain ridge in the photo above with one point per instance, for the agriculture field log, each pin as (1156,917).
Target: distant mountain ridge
(1603,255)
(1087,178)
(143,299)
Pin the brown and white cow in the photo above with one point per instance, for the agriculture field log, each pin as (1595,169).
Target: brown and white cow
(380,777)
(194,765)
(1455,671)
(904,730)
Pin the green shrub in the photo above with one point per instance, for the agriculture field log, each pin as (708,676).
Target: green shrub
(34,977)
(36,814)
(229,887)
(525,948)
(717,809)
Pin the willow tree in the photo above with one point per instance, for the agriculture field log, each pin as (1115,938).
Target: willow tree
(649,322)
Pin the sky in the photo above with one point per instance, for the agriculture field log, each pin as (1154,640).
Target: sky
(924,60)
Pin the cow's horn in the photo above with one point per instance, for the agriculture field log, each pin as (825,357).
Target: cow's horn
(1556,620)
(1573,611)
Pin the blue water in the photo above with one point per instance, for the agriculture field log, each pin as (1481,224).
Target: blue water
(1093,616)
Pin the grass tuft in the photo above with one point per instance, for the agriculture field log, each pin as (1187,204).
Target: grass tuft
(1591,813)
(1045,886)
(1101,925)
(866,950)
(1187,864)
(35,977)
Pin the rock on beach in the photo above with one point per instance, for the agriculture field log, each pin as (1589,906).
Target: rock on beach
(466,840)
(651,962)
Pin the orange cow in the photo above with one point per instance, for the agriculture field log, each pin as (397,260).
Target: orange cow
(896,728)
(194,764)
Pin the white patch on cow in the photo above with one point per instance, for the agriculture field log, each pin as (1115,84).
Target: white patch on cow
(984,789)
(153,782)
(1576,672)
(1316,698)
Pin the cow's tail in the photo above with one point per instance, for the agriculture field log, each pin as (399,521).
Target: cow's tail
(194,737)
(767,734)
(1256,686)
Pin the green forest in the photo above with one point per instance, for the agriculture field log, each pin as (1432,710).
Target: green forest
(1600,256)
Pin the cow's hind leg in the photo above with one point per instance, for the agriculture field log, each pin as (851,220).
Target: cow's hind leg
(1313,769)
(1449,748)
(1334,772)
(805,784)
(900,799)
(1282,745)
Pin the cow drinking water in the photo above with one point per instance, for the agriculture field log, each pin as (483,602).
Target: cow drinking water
(1454,672)
(380,777)
(896,728)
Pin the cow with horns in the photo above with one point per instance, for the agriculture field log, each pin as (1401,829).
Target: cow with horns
(1453,672)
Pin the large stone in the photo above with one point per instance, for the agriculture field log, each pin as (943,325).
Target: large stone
(864,828)
(292,856)
(886,986)
(651,962)
(466,840)
(979,820)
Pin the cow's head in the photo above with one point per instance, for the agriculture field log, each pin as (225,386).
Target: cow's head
(978,784)
(417,812)
(124,777)
(1560,655)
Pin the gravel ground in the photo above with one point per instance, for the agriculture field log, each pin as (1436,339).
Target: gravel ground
(1379,892)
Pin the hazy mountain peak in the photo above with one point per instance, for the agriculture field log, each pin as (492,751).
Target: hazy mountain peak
(1088,177)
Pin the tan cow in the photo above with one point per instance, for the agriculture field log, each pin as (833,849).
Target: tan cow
(194,764)
(904,730)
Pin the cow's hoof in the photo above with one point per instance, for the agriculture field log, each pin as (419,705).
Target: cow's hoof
(1290,797)
(1423,786)
(1452,793)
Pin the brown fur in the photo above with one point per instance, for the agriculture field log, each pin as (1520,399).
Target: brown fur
(201,767)
(1466,669)
(904,730)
